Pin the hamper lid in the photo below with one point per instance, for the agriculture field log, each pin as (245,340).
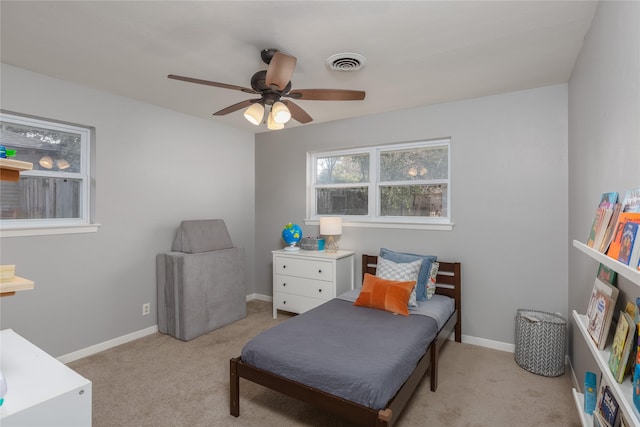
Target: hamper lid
(541,316)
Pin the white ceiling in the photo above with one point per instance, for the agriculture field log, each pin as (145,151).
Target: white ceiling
(417,52)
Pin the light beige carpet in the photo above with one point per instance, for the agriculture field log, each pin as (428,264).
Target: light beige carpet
(161,381)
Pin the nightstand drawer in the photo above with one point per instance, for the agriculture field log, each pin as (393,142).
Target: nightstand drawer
(311,269)
(303,286)
(303,280)
(295,303)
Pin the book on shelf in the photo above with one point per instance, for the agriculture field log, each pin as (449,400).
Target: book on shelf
(636,386)
(598,421)
(629,212)
(616,241)
(627,243)
(604,286)
(609,408)
(634,258)
(607,274)
(631,201)
(611,227)
(636,320)
(602,219)
(631,310)
(600,311)
(610,197)
(617,347)
(600,223)
(623,342)
(623,420)
(634,356)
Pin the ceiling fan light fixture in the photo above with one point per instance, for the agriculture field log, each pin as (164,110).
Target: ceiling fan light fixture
(272,124)
(275,82)
(254,113)
(280,112)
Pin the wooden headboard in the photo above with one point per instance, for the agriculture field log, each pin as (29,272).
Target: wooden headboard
(448,281)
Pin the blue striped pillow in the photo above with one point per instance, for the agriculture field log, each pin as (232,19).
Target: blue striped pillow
(425,270)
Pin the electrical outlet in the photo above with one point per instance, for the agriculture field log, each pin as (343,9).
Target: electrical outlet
(146,309)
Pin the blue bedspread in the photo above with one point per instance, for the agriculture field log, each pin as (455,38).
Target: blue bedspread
(357,353)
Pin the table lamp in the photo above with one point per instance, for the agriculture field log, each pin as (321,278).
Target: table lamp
(331,226)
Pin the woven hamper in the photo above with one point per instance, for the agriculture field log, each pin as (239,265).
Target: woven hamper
(540,342)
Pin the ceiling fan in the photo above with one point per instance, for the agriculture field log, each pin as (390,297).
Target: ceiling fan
(274,84)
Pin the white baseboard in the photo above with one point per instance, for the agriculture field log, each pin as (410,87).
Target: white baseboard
(107,345)
(260,297)
(574,379)
(482,342)
(89,351)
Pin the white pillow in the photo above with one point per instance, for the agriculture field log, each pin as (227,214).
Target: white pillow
(431,282)
(404,272)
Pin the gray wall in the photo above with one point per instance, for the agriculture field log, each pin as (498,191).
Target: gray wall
(155,168)
(509,204)
(604,144)
(515,159)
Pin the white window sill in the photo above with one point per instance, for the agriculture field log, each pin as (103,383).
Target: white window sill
(398,225)
(47,230)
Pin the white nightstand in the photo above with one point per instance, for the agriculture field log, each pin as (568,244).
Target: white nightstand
(303,279)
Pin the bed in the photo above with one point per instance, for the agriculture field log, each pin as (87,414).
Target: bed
(326,388)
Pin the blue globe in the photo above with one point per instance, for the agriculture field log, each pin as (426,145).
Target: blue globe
(292,234)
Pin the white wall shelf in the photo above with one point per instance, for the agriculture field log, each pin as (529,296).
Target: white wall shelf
(622,269)
(623,392)
(586,420)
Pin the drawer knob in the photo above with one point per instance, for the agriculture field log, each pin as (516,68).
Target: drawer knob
(320,271)
(284,266)
(284,302)
(284,284)
(320,290)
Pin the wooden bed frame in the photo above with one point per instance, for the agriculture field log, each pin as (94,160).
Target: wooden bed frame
(449,284)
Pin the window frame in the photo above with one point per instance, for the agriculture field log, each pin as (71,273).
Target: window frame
(81,224)
(374,219)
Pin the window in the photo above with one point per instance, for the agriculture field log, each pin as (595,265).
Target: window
(397,183)
(56,192)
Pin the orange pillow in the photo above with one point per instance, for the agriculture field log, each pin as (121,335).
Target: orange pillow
(382,294)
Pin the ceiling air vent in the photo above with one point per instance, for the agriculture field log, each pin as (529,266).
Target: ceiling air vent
(346,62)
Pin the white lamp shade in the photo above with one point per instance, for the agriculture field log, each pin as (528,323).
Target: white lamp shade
(272,124)
(254,113)
(281,113)
(330,225)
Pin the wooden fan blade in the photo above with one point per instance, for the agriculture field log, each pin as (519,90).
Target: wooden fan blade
(236,107)
(210,83)
(297,113)
(327,94)
(280,70)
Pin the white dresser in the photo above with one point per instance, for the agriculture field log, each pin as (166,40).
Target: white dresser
(41,391)
(303,279)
